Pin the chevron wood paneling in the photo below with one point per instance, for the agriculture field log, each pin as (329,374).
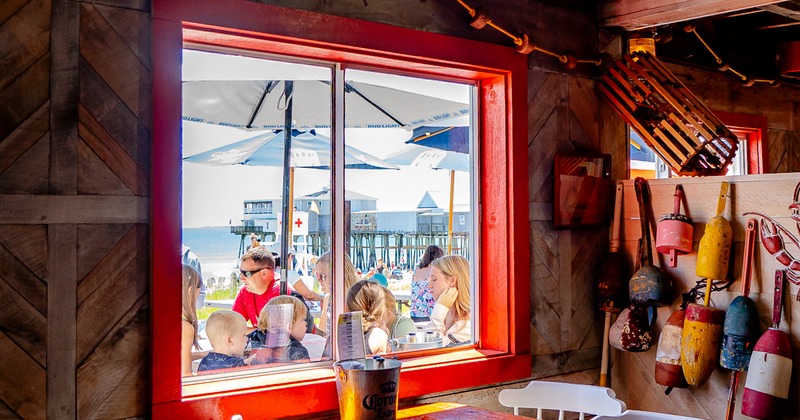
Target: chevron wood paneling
(73,268)
(784,151)
(562,118)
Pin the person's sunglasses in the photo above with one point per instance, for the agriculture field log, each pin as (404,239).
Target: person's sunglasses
(250,273)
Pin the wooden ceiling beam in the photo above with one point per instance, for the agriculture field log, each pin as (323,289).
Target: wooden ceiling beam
(633,15)
(789,9)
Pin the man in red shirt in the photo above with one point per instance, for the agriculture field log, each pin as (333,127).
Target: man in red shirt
(257,269)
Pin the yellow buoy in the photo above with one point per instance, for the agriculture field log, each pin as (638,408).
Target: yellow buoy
(715,246)
(702,336)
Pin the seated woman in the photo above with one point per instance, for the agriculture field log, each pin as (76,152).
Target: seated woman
(400,325)
(190,284)
(322,270)
(450,283)
(369,298)
(422,300)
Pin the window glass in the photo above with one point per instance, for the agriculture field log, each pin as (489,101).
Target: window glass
(408,154)
(647,164)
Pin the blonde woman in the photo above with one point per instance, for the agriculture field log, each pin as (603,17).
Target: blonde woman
(322,269)
(369,299)
(191,290)
(450,285)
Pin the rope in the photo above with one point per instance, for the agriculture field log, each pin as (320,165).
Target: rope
(518,41)
(697,292)
(747,81)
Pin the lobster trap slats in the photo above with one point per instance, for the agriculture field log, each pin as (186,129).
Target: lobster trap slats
(670,118)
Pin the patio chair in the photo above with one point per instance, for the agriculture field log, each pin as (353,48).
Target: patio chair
(583,399)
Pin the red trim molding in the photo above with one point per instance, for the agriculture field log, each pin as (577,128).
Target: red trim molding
(503,352)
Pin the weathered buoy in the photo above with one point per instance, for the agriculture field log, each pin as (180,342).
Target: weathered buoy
(675,231)
(649,286)
(742,327)
(631,331)
(702,333)
(715,245)
(669,372)
(770,373)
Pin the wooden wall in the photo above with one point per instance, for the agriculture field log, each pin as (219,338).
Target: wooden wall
(633,373)
(74,182)
(74,186)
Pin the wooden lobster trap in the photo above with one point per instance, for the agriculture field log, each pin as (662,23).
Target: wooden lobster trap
(670,118)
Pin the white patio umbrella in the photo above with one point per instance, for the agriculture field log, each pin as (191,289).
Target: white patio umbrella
(419,156)
(307,150)
(261,104)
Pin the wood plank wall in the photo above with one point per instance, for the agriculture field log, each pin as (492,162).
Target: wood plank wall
(633,373)
(74,187)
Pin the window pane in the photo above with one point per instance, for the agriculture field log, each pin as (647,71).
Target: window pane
(400,205)
(234,190)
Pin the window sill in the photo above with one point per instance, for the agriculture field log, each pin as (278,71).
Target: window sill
(313,390)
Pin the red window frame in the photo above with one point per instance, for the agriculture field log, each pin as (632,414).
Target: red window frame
(755,129)
(500,72)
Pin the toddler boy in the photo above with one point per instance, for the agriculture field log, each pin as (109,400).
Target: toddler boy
(227,332)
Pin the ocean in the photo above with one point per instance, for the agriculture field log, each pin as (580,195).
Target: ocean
(216,247)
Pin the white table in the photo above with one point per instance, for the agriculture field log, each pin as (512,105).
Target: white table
(645,415)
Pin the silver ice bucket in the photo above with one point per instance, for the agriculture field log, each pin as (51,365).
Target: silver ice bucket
(368,389)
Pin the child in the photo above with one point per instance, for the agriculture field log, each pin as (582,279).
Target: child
(281,327)
(227,332)
(369,298)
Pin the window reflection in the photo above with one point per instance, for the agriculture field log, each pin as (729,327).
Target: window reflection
(406,192)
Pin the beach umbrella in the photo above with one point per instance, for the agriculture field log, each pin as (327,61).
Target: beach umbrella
(307,149)
(444,148)
(261,104)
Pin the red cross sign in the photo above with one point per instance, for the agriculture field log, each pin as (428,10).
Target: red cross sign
(298,222)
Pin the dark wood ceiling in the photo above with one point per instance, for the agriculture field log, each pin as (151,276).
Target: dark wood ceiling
(747,39)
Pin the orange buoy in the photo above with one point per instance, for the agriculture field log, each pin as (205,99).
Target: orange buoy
(668,353)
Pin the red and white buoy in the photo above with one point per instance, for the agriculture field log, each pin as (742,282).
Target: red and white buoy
(769,376)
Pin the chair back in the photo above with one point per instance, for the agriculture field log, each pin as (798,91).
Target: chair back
(583,399)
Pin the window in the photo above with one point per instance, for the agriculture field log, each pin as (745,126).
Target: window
(498,75)
(751,158)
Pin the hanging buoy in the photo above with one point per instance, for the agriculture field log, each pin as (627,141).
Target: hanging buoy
(631,331)
(669,372)
(741,328)
(649,285)
(675,231)
(702,333)
(715,245)
(769,376)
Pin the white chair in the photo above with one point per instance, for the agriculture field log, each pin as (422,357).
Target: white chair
(583,399)
(645,415)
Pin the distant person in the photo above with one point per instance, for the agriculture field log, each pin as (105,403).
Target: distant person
(190,286)
(422,299)
(380,266)
(254,242)
(189,258)
(257,268)
(450,284)
(227,332)
(368,298)
(281,328)
(322,270)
